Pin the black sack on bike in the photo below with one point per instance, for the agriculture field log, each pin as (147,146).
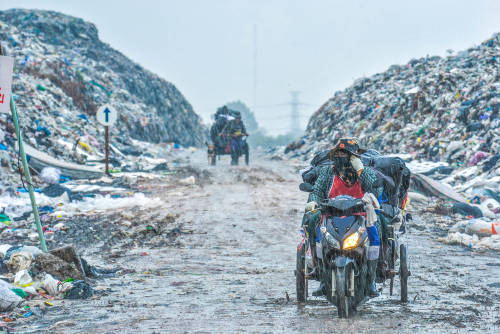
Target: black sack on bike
(396,176)
(311,174)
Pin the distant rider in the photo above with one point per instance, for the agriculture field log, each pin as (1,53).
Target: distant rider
(237,130)
(347,176)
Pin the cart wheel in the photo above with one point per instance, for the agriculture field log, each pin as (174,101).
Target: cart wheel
(300,277)
(392,264)
(403,273)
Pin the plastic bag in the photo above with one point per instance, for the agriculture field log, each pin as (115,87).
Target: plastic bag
(23,278)
(79,290)
(24,281)
(50,175)
(188,180)
(3,249)
(19,261)
(53,286)
(8,299)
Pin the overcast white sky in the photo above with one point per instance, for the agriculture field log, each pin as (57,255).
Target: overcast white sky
(316,47)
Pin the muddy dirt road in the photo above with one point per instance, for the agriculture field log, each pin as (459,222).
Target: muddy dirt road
(231,268)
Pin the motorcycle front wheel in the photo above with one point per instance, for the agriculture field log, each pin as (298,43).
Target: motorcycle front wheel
(344,302)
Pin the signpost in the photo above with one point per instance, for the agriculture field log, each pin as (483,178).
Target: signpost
(106,115)
(6,67)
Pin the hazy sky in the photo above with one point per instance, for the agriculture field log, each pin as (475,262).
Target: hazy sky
(316,47)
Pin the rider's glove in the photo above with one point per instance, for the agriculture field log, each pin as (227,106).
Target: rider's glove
(311,206)
(356,163)
(371,204)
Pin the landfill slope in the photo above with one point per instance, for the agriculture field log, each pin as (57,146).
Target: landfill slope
(64,72)
(433,108)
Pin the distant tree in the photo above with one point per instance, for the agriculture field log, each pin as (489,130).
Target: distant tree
(258,136)
(261,138)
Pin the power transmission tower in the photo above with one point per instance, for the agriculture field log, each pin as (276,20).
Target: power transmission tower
(254,66)
(295,115)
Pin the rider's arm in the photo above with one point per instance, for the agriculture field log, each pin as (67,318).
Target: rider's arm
(322,184)
(368,179)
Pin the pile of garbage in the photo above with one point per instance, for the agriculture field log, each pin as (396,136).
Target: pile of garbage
(31,281)
(433,108)
(441,114)
(63,73)
(468,197)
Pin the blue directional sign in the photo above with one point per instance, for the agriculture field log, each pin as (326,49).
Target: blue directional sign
(106,111)
(106,115)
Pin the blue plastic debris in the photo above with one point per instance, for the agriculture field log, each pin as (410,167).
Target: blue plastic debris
(44,130)
(63,179)
(23,190)
(83,116)
(46,208)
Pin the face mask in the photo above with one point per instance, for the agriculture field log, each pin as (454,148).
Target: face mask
(340,164)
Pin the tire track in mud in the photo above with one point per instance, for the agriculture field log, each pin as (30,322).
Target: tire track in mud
(232,273)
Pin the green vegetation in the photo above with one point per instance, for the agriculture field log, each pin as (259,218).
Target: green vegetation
(258,136)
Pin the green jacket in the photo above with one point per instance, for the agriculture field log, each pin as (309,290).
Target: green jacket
(324,183)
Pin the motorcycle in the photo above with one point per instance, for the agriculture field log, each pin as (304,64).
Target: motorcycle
(341,249)
(237,152)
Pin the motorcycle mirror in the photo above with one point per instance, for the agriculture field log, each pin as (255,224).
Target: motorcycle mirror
(306,187)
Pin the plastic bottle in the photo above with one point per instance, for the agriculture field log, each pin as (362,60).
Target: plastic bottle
(481,227)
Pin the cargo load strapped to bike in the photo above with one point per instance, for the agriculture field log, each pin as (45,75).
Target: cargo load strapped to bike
(393,175)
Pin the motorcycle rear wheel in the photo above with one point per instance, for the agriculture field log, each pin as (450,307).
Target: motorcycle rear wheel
(300,276)
(403,273)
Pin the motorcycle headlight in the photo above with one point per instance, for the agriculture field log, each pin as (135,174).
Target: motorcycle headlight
(351,241)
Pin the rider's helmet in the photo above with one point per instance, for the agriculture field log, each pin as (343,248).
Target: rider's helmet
(340,154)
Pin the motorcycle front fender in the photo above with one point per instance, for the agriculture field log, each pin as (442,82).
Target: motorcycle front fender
(343,261)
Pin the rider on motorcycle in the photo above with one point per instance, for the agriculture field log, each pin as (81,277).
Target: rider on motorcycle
(347,176)
(237,130)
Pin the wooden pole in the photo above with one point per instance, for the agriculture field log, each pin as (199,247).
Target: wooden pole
(107,149)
